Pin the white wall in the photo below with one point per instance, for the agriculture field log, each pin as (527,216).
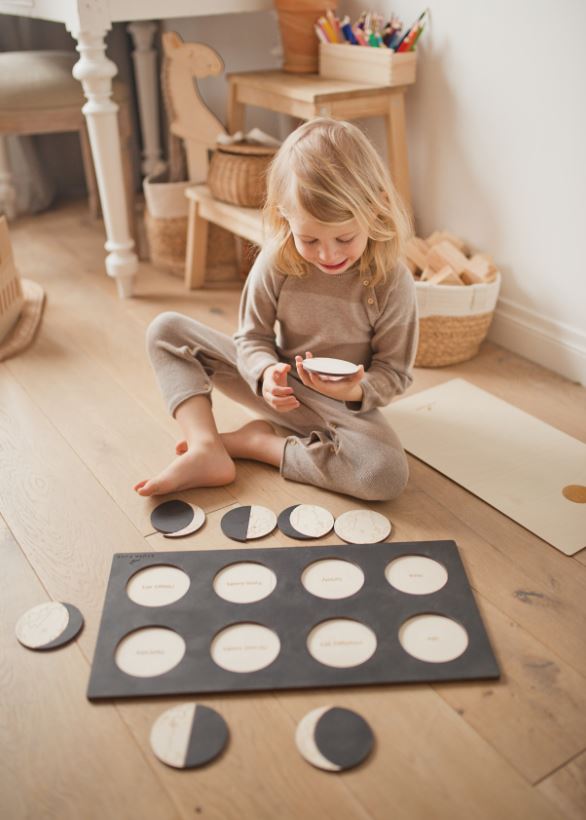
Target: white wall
(497,140)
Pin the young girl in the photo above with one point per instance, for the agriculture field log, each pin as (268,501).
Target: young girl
(328,282)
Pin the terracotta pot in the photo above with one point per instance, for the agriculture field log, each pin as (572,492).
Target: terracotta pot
(296,22)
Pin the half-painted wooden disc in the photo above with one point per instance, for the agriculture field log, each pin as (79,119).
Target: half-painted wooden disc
(248,522)
(172,516)
(362,527)
(189,735)
(334,739)
(330,367)
(49,625)
(305,521)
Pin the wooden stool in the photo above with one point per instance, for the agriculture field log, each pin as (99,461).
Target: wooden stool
(309,95)
(203,209)
(39,95)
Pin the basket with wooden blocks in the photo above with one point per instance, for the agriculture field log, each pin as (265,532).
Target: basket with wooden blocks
(457,294)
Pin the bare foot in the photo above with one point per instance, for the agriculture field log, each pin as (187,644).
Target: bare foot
(203,466)
(256,440)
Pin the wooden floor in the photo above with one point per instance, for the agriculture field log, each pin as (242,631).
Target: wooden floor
(81,420)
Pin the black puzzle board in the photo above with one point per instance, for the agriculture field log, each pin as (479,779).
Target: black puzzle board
(290,611)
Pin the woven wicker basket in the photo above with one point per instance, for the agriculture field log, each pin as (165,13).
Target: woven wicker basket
(237,173)
(453,321)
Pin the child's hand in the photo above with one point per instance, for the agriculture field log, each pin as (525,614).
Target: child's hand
(347,389)
(275,391)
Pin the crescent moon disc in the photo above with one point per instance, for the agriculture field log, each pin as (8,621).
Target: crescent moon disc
(49,625)
(171,516)
(195,524)
(334,739)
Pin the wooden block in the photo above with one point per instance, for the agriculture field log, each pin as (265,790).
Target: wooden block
(440,236)
(446,276)
(478,269)
(444,253)
(416,252)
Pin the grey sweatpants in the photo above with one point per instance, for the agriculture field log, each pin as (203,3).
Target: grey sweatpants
(330,446)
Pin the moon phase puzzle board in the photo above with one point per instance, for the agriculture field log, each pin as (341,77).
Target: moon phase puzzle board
(288,617)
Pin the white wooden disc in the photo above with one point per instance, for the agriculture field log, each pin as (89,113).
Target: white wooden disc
(262,522)
(433,638)
(245,647)
(362,527)
(341,642)
(197,522)
(42,624)
(332,578)
(416,574)
(159,585)
(245,582)
(330,367)
(309,519)
(148,652)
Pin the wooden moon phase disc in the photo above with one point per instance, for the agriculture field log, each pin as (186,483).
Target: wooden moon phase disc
(196,523)
(149,651)
(305,521)
(362,527)
(332,578)
(248,522)
(334,739)
(158,585)
(49,625)
(244,582)
(330,367)
(433,638)
(341,643)
(189,735)
(172,516)
(416,574)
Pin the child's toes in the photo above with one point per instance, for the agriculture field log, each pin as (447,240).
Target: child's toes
(140,485)
(181,447)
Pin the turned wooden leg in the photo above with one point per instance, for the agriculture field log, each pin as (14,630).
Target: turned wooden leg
(95,73)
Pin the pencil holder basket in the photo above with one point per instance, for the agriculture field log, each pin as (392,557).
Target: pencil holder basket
(373,66)
(237,173)
(297,19)
(453,321)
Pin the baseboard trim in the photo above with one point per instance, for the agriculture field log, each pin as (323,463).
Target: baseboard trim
(554,345)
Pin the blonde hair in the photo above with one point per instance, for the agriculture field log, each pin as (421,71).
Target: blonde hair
(330,170)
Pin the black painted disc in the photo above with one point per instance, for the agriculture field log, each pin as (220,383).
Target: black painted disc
(189,735)
(171,516)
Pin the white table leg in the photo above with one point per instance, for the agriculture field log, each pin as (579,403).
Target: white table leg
(95,72)
(145,71)
(7,189)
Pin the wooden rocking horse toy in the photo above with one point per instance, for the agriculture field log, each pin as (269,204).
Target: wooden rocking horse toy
(190,118)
